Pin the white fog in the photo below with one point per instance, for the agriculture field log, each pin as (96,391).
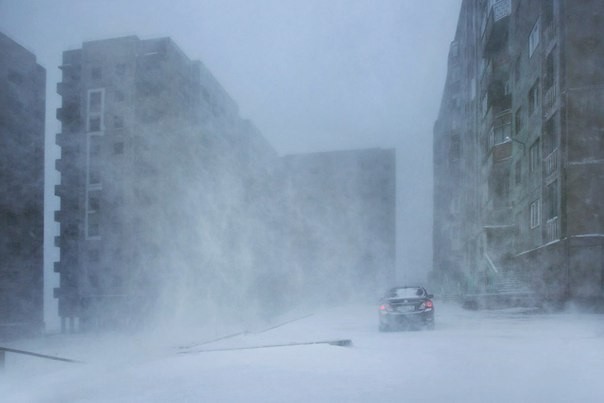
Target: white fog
(231,190)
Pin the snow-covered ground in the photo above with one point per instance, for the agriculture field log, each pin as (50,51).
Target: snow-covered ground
(486,356)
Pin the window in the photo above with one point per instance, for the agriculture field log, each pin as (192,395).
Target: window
(92,225)
(454,49)
(535,213)
(518,171)
(552,200)
(548,11)
(93,205)
(534,156)
(534,38)
(549,71)
(95,110)
(94,101)
(94,201)
(94,124)
(507,88)
(533,98)
(550,139)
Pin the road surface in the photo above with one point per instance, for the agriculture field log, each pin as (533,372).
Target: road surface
(494,356)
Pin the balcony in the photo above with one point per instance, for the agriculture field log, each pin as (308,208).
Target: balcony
(550,100)
(550,165)
(59,164)
(499,145)
(495,26)
(61,139)
(501,9)
(502,151)
(69,113)
(552,229)
(59,190)
(65,88)
(497,96)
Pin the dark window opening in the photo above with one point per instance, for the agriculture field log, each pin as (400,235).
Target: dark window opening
(118,148)
(548,80)
(534,156)
(533,98)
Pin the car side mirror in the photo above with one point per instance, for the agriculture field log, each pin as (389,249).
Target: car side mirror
(430,295)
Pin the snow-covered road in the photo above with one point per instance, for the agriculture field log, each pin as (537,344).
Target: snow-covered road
(487,356)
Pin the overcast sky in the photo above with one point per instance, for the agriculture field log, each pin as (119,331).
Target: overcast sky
(313,75)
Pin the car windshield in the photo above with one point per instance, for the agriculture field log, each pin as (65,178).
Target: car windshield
(406,292)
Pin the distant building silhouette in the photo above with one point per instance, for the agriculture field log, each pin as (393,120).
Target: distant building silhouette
(519,152)
(341,226)
(22,114)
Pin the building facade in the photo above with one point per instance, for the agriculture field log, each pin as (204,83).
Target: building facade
(519,151)
(22,114)
(155,170)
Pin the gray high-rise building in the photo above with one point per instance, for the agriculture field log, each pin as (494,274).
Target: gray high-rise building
(519,152)
(22,114)
(155,170)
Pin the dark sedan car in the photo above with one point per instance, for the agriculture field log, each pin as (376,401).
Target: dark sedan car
(406,307)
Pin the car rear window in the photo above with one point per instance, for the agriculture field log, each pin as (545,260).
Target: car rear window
(406,293)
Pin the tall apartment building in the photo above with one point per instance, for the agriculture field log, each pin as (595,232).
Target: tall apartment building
(154,175)
(340,231)
(519,151)
(172,206)
(22,113)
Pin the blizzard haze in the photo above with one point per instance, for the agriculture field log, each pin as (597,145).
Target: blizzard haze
(311,75)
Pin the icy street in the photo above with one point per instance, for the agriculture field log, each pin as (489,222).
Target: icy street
(484,356)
